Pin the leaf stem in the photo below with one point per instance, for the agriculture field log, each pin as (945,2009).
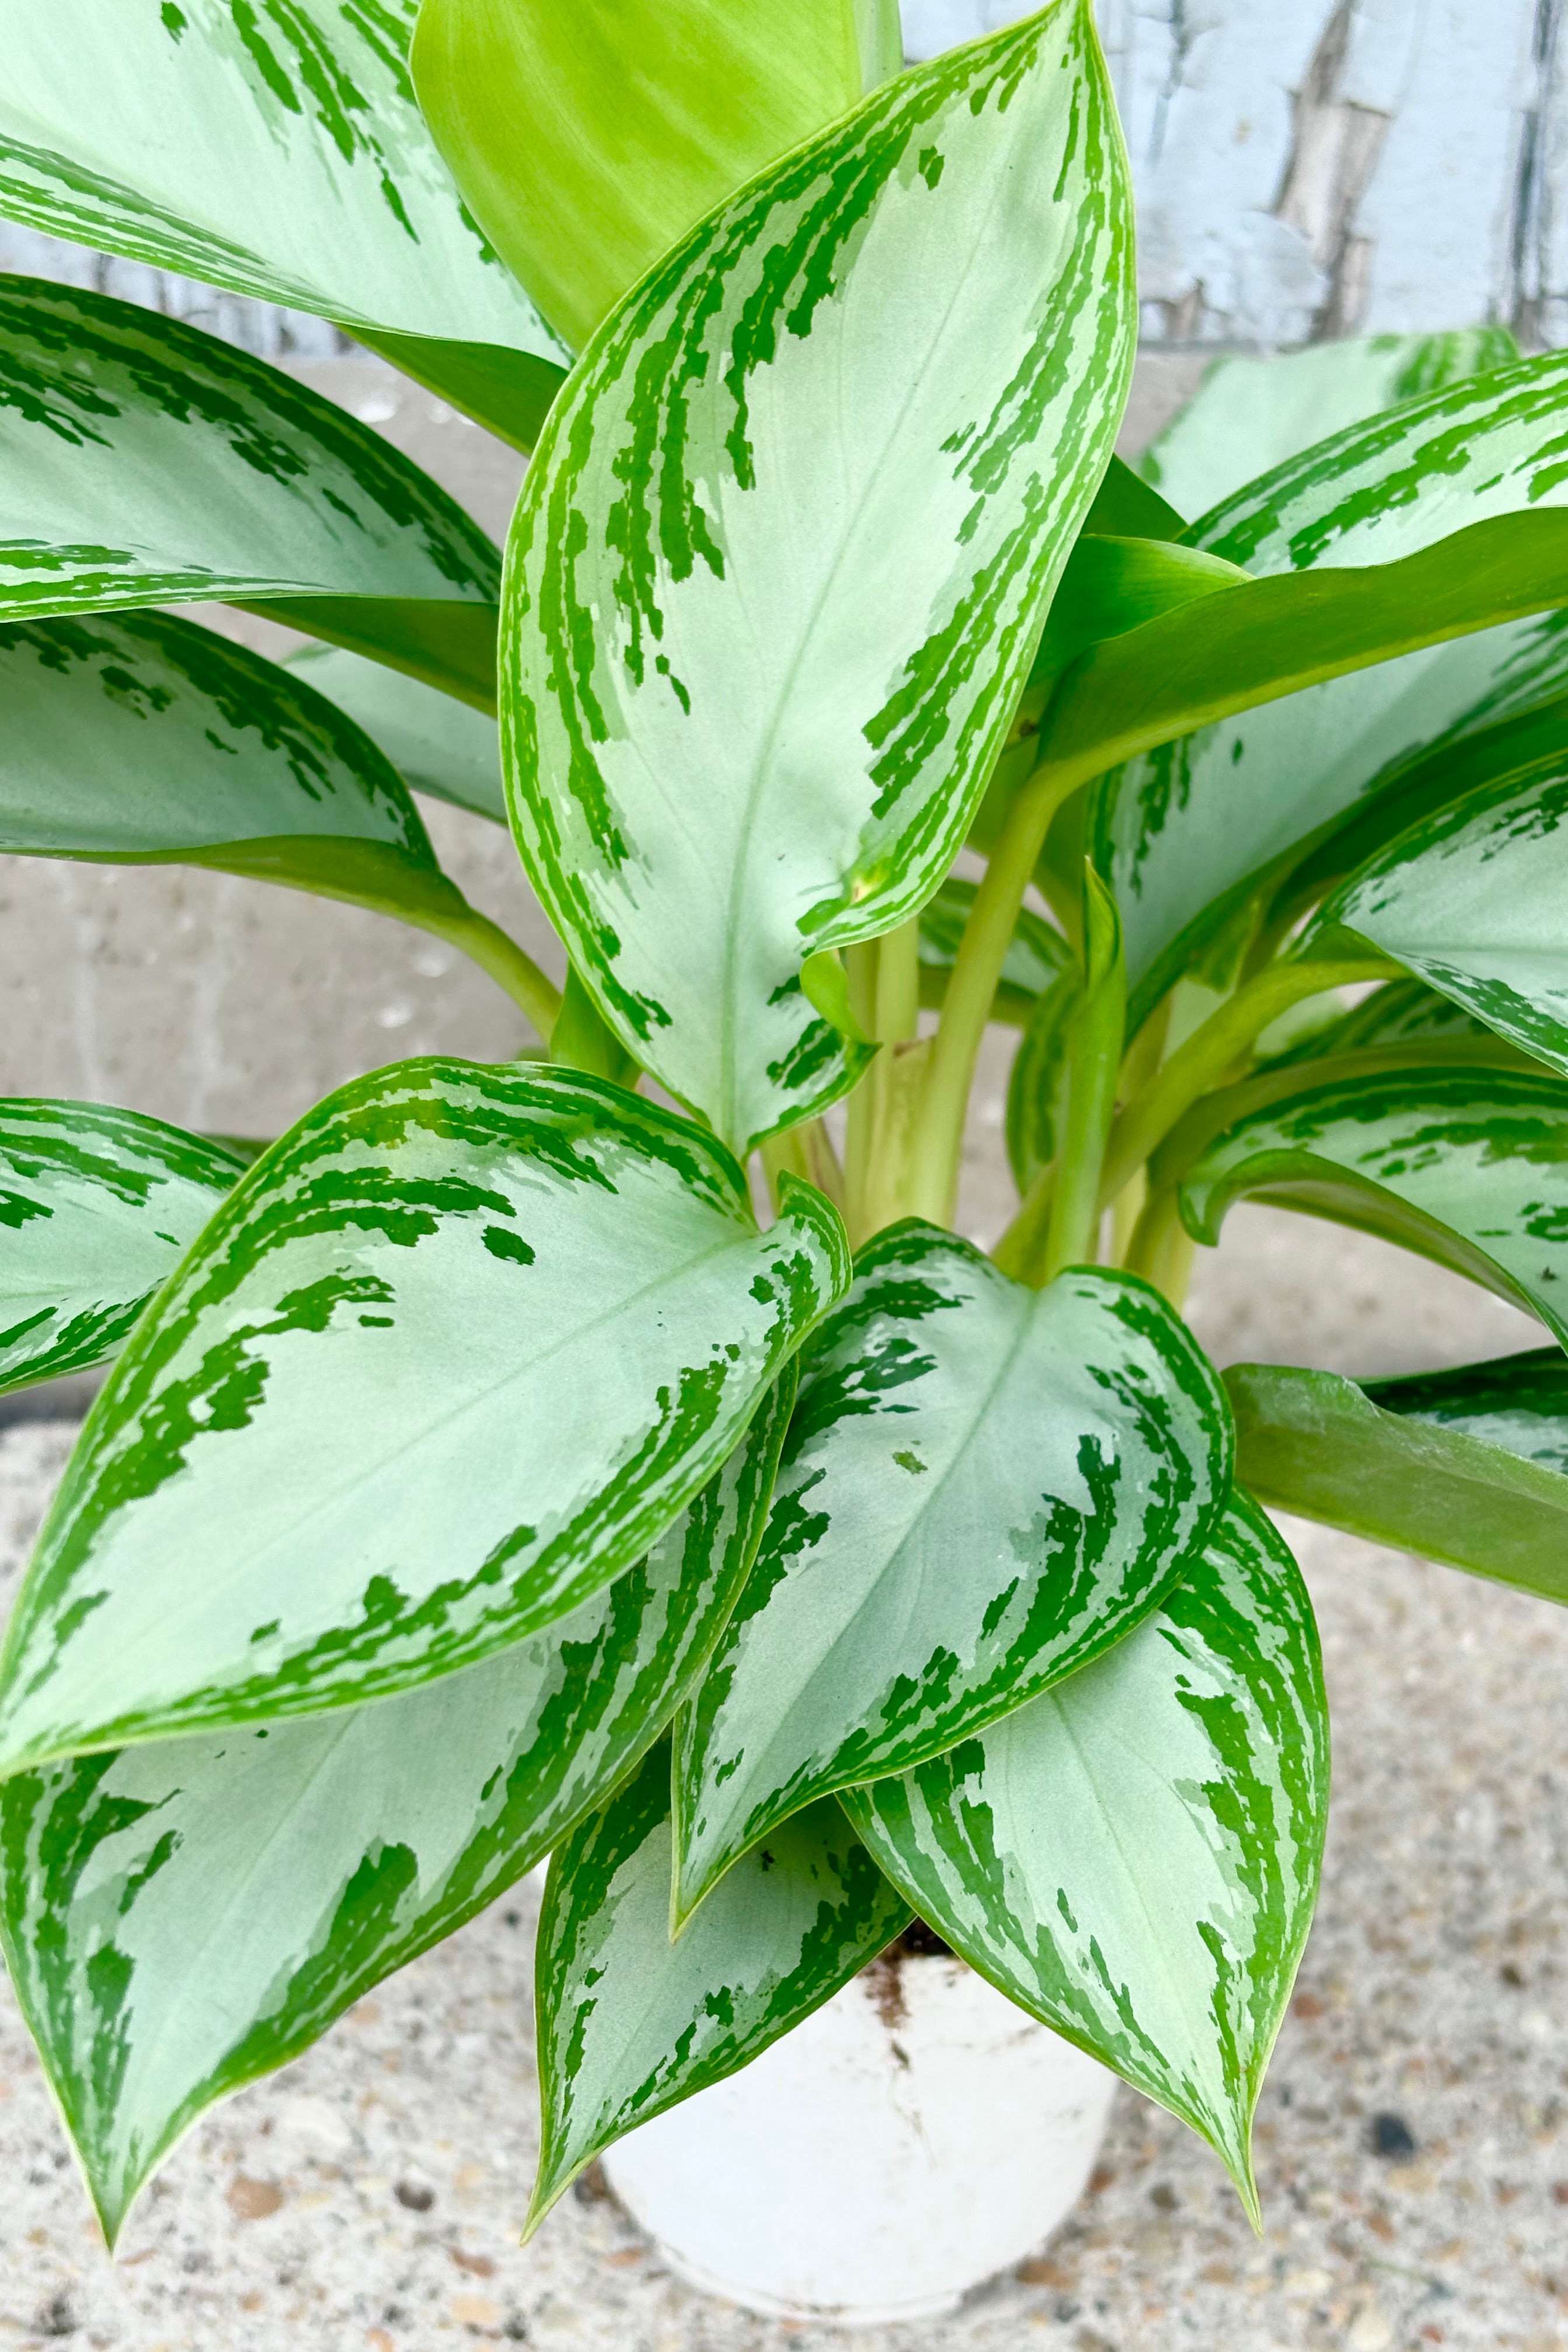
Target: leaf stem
(937,1143)
(884,998)
(497,952)
(1211,1052)
(1161,1249)
(1093,1065)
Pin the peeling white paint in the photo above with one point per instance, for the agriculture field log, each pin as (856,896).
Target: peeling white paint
(1308,168)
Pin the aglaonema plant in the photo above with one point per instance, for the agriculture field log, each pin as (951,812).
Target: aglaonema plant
(503,1463)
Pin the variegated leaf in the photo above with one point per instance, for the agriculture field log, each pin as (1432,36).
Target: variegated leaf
(1471,898)
(613,171)
(1466,1466)
(145,463)
(451,1356)
(1037,957)
(131,738)
(1250,414)
(273,147)
(1466,1165)
(1135,1856)
(984,1486)
(1183,828)
(630,2023)
(96,1208)
(440,746)
(284,1869)
(779,567)
(1397,1014)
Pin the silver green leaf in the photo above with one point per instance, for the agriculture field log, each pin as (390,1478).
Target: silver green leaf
(630,2023)
(1135,1856)
(134,738)
(1465,1165)
(286,1868)
(1182,829)
(450,1357)
(273,147)
(96,1208)
(437,745)
(1466,1466)
(779,567)
(147,463)
(1471,898)
(1250,414)
(984,1486)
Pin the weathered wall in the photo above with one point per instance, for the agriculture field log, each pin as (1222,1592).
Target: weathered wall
(1305,168)
(1323,167)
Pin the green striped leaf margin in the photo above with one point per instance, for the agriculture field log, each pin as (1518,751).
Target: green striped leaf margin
(1250,414)
(1466,1165)
(161,466)
(275,148)
(1470,897)
(96,1208)
(438,746)
(1135,1856)
(629,2023)
(1466,1466)
(1183,828)
(452,1356)
(983,1488)
(285,1869)
(784,551)
(136,739)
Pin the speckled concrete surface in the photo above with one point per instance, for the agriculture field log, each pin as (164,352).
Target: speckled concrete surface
(1413,2142)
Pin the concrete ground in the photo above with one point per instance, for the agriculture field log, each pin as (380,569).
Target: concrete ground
(370,2196)
(367,2198)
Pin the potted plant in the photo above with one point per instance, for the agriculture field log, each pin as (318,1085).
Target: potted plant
(481,1475)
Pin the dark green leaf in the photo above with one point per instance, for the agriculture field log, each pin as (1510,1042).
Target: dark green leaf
(1465,1466)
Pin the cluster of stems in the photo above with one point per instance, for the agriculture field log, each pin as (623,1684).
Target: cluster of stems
(1120,1101)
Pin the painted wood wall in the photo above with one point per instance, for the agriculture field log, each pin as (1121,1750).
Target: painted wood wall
(1305,168)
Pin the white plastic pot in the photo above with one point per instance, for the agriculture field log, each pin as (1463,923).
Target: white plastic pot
(914,2136)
